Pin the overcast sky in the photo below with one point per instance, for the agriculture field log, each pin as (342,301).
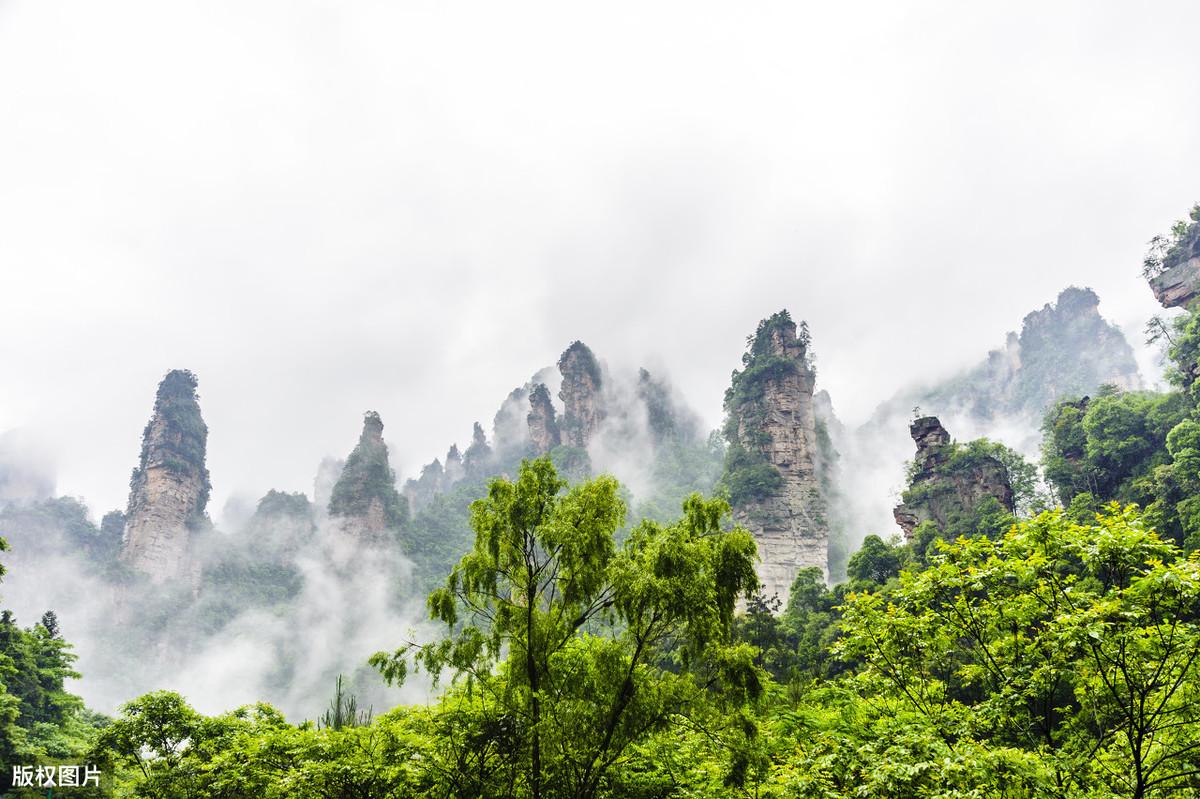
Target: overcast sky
(325,207)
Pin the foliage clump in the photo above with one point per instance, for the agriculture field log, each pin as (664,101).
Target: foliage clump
(1129,447)
(579,355)
(343,710)
(39,717)
(1070,647)
(588,648)
(1059,659)
(761,362)
(61,524)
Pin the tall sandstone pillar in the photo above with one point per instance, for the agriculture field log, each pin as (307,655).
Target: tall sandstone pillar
(543,423)
(771,462)
(168,492)
(364,498)
(580,394)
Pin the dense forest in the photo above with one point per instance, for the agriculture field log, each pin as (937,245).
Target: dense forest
(1036,631)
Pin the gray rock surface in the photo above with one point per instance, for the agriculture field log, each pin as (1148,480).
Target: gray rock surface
(542,421)
(943,489)
(1179,285)
(169,489)
(580,394)
(790,525)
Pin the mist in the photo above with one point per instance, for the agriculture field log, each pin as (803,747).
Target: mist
(325,207)
(135,637)
(351,600)
(322,208)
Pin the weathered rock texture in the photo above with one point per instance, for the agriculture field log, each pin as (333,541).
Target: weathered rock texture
(1179,285)
(945,484)
(1173,265)
(168,491)
(580,394)
(771,466)
(542,420)
(365,498)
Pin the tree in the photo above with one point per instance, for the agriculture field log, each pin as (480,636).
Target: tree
(343,711)
(1078,643)
(586,648)
(154,734)
(1107,445)
(875,562)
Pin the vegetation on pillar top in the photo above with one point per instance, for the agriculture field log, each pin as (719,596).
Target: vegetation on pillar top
(775,352)
(176,436)
(579,356)
(367,476)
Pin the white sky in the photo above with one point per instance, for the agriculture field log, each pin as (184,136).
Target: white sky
(324,207)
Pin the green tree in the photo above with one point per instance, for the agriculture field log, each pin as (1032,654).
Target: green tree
(38,716)
(1110,444)
(343,711)
(875,562)
(154,735)
(588,648)
(160,748)
(1077,643)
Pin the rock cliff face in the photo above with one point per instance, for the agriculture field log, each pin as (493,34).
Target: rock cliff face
(168,491)
(946,483)
(1066,348)
(542,420)
(580,394)
(1173,263)
(771,462)
(365,498)
(1179,285)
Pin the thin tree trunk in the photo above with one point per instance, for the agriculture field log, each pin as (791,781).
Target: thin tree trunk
(535,777)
